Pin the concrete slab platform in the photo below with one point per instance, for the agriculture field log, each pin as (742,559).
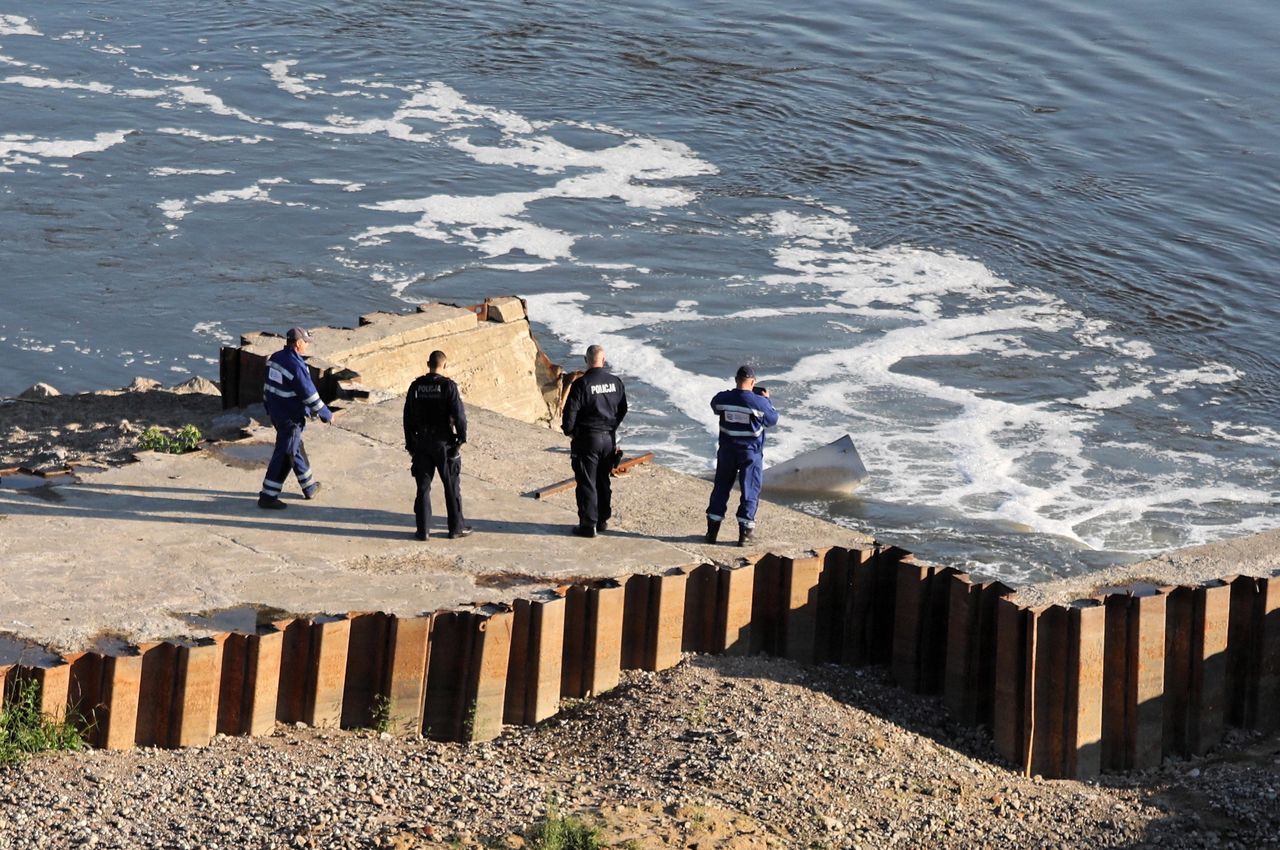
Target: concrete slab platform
(129,551)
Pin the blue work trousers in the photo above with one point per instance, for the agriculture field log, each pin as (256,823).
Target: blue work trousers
(289,454)
(746,466)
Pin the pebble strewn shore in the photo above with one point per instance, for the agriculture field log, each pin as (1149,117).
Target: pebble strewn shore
(717,753)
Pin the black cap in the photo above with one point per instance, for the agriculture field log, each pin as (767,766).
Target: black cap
(745,373)
(298,333)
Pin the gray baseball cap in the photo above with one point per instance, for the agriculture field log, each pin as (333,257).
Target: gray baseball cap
(299,333)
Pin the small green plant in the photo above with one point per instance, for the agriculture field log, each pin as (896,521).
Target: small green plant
(25,730)
(562,832)
(380,713)
(698,716)
(187,439)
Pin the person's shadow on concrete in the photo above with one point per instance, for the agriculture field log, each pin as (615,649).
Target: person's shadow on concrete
(238,509)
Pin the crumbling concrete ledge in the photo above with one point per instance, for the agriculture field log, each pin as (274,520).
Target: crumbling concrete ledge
(129,551)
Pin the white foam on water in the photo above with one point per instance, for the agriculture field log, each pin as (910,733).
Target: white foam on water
(175,172)
(984,457)
(215,330)
(196,96)
(563,313)
(1254,435)
(346,185)
(619,283)
(12,147)
(178,209)
(279,72)
(155,75)
(494,225)
(17,25)
(30,82)
(206,137)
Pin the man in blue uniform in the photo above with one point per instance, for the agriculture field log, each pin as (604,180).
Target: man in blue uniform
(290,398)
(744,413)
(435,427)
(596,406)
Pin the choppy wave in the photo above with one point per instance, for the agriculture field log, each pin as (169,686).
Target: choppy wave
(988,403)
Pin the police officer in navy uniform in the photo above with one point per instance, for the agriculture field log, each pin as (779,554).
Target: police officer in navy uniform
(596,406)
(744,413)
(290,398)
(435,427)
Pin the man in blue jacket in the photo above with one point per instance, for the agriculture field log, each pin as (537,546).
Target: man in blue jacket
(744,413)
(290,398)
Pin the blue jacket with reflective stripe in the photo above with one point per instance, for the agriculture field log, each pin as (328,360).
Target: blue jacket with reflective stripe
(743,417)
(288,391)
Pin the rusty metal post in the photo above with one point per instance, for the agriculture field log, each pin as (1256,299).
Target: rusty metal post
(733,610)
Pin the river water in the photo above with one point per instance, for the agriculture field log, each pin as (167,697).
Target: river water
(1024,253)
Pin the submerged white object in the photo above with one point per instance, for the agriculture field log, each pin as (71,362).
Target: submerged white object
(832,470)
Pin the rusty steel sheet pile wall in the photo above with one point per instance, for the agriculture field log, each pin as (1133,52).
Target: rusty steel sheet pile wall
(1110,683)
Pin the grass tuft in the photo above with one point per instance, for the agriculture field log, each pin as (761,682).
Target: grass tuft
(562,832)
(25,730)
(186,440)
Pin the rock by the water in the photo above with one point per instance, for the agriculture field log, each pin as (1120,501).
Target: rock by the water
(36,391)
(196,385)
(141,385)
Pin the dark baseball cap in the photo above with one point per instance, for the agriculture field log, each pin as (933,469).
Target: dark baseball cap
(299,333)
(745,372)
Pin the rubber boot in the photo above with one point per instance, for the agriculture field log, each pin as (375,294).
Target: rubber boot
(713,530)
(744,535)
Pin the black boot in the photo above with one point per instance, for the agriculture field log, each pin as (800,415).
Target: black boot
(744,535)
(713,529)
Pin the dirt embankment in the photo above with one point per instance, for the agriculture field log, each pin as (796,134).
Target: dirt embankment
(719,753)
(41,429)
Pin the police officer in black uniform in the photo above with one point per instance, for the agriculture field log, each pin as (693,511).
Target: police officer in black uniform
(595,408)
(435,427)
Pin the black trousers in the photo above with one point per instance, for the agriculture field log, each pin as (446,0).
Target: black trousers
(592,456)
(429,457)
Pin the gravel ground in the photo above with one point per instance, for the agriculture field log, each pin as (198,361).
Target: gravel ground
(717,753)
